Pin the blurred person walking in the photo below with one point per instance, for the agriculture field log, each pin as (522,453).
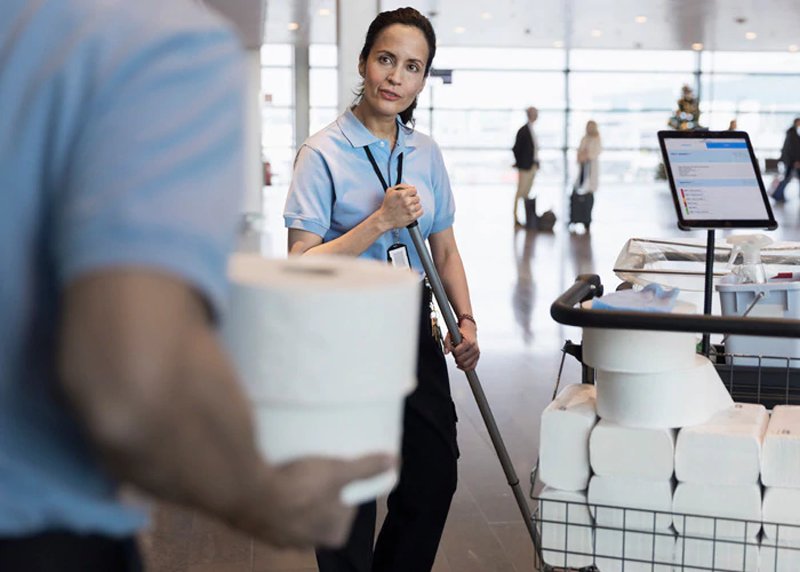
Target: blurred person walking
(588,158)
(790,157)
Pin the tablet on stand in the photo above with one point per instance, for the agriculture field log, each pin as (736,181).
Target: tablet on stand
(715,183)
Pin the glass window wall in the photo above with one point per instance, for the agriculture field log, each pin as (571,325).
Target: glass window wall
(630,93)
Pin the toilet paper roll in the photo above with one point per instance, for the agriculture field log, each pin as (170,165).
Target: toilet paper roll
(647,454)
(780,456)
(639,351)
(322,329)
(662,400)
(634,551)
(564,438)
(781,516)
(335,430)
(725,450)
(326,350)
(566,528)
(718,511)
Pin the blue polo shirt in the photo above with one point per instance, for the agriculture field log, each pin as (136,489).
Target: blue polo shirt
(334,186)
(120,146)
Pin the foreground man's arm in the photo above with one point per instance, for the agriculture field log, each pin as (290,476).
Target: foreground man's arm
(142,366)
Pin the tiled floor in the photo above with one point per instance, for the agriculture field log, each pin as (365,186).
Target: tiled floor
(514,276)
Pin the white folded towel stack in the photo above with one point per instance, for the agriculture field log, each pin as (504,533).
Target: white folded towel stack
(566,528)
(726,450)
(634,551)
(632,503)
(700,554)
(781,506)
(780,459)
(564,438)
(620,451)
(788,559)
(716,511)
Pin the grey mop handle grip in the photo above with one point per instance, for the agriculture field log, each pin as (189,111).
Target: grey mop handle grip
(474,382)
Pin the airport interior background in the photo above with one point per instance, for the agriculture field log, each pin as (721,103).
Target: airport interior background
(622,64)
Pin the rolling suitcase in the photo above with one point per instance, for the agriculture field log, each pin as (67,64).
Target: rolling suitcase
(580,205)
(580,208)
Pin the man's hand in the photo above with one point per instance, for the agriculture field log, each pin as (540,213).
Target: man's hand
(300,503)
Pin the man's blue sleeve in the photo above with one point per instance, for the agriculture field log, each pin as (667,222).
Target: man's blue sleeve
(155,176)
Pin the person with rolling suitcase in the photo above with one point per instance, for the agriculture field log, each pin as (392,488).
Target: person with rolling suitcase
(582,198)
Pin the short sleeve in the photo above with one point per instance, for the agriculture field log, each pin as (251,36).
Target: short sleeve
(445,204)
(311,194)
(155,178)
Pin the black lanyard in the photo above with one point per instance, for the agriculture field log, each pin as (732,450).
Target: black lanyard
(378,171)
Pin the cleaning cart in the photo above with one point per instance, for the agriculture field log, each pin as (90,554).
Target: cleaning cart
(766,379)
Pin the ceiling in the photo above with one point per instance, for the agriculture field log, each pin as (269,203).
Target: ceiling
(670,24)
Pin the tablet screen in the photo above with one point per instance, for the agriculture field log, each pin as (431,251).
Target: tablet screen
(715,180)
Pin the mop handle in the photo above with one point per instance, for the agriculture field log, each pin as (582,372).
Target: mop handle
(472,377)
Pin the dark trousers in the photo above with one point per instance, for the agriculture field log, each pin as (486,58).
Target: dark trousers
(67,552)
(790,172)
(418,506)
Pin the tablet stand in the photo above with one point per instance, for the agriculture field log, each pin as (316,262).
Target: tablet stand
(708,292)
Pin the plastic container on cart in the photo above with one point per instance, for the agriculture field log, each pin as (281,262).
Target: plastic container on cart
(768,300)
(623,548)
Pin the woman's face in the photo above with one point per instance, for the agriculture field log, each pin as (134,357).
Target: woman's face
(394,72)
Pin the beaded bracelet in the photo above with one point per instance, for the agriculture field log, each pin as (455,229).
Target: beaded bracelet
(462,317)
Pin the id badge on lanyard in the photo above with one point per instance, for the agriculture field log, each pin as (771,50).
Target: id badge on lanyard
(397,253)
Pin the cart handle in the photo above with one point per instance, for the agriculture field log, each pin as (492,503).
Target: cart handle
(565,310)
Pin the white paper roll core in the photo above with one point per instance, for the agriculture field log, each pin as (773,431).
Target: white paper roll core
(326,348)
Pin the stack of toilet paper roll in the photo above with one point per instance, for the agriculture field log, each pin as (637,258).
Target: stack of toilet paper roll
(648,385)
(780,475)
(326,349)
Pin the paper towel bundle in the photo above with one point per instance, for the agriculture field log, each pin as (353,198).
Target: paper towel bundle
(635,551)
(725,450)
(781,506)
(564,438)
(780,457)
(639,351)
(722,555)
(633,504)
(326,349)
(565,544)
(616,450)
(716,511)
(788,559)
(673,398)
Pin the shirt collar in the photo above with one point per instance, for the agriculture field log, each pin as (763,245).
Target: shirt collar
(360,136)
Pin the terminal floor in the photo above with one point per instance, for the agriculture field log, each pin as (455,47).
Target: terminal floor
(514,276)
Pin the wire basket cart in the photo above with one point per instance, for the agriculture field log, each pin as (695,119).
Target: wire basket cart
(576,536)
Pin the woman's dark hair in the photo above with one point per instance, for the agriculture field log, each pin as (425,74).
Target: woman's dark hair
(407,17)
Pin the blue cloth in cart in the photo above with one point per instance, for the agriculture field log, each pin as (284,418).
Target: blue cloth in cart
(651,298)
